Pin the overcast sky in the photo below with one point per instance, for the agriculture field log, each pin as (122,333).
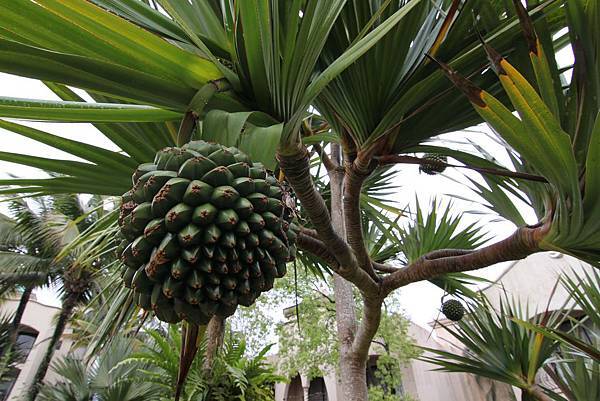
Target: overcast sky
(421,301)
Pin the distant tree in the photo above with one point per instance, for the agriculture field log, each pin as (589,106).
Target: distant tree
(23,245)
(34,255)
(9,355)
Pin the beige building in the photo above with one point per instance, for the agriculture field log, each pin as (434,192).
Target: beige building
(34,335)
(531,280)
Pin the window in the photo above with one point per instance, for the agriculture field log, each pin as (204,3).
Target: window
(25,340)
(7,382)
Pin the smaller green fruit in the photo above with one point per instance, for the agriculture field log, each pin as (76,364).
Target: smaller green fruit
(453,310)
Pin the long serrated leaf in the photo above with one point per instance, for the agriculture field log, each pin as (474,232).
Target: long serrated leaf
(67,111)
(85,151)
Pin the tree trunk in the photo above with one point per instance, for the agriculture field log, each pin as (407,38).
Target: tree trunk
(14,329)
(352,366)
(66,313)
(215,333)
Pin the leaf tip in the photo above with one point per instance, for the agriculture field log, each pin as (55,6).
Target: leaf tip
(527,27)
(473,93)
(494,57)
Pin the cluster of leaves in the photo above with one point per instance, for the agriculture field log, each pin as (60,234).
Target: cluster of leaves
(380,393)
(560,114)
(280,57)
(104,378)
(34,241)
(145,367)
(38,249)
(306,345)
(397,351)
(231,376)
(434,228)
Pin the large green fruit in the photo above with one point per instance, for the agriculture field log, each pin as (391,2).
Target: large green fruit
(205,230)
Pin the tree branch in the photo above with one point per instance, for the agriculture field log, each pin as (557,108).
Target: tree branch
(383,344)
(318,291)
(316,247)
(445,253)
(297,171)
(296,167)
(356,276)
(384,268)
(329,164)
(368,326)
(355,175)
(309,231)
(522,243)
(395,159)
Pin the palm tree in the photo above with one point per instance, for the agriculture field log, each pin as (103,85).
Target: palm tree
(21,245)
(9,356)
(79,265)
(254,72)
(32,258)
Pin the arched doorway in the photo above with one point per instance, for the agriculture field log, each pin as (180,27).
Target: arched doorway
(295,391)
(317,390)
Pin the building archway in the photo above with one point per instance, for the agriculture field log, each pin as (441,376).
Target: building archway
(295,392)
(317,390)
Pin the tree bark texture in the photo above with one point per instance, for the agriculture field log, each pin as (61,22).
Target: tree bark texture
(296,167)
(215,334)
(519,245)
(14,329)
(66,313)
(353,365)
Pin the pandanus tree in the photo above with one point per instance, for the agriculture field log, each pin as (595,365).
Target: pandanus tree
(351,83)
